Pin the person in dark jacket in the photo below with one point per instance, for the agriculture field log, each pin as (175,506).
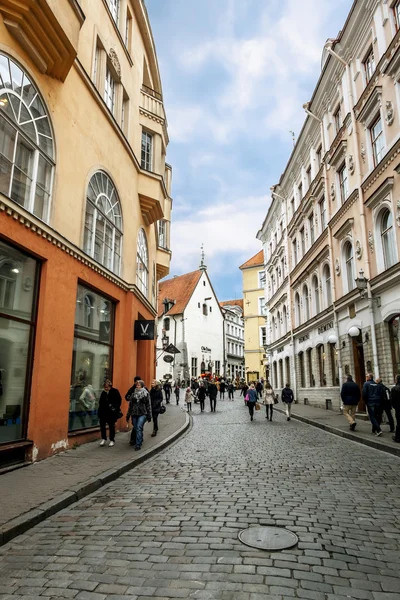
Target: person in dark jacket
(201,395)
(128,396)
(288,398)
(243,391)
(231,390)
(395,393)
(109,409)
(252,398)
(156,400)
(167,391)
(177,392)
(372,394)
(212,393)
(140,411)
(222,388)
(259,389)
(350,395)
(386,405)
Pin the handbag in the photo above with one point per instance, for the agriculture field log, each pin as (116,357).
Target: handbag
(162,409)
(276,399)
(247,398)
(258,406)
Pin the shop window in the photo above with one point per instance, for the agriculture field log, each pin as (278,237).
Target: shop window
(334,363)
(288,377)
(91,357)
(103,222)
(142,263)
(18,292)
(311,379)
(26,141)
(321,365)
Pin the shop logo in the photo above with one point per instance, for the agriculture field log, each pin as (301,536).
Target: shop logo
(144,330)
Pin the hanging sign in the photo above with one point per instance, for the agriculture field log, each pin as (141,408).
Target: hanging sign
(168,358)
(144,330)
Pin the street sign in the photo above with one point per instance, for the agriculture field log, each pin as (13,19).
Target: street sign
(172,349)
(168,358)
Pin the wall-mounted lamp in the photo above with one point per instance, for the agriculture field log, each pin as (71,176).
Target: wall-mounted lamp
(362,283)
(332,339)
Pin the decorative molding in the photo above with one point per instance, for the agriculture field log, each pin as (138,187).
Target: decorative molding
(381,193)
(368,112)
(362,152)
(389,113)
(112,55)
(389,157)
(358,249)
(350,164)
(371,241)
(344,208)
(333,192)
(337,267)
(346,228)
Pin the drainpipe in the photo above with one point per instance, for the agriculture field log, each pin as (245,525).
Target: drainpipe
(173,364)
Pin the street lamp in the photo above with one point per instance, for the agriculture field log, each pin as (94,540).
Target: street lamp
(362,284)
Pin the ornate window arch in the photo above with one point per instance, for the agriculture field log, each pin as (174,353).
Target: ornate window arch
(284,319)
(142,263)
(326,281)
(297,311)
(315,292)
(103,222)
(26,141)
(306,303)
(348,257)
(387,237)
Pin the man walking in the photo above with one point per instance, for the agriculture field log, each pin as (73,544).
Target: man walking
(259,389)
(372,394)
(350,395)
(288,398)
(395,392)
(386,405)
(212,393)
(167,389)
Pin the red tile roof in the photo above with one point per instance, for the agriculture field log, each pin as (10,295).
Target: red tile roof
(238,302)
(255,261)
(179,289)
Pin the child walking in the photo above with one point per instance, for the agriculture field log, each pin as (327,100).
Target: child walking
(189,398)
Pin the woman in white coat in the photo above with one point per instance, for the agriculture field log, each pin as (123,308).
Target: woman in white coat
(269,397)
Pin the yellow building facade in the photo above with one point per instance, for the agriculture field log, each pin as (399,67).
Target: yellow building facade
(85,209)
(253,274)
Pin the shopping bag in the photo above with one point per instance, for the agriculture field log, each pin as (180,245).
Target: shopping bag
(258,406)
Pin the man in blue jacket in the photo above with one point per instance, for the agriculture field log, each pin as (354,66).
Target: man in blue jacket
(372,393)
(350,394)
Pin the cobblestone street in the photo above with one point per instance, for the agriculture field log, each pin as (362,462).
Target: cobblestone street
(168,529)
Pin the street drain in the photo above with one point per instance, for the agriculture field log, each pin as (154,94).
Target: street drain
(268,538)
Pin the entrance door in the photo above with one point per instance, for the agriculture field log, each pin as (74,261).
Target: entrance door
(359,367)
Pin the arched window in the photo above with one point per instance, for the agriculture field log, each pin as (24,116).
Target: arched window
(88,308)
(306,303)
(103,222)
(8,277)
(278,325)
(388,239)
(349,259)
(297,309)
(315,289)
(284,319)
(326,275)
(142,263)
(273,332)
(26,141)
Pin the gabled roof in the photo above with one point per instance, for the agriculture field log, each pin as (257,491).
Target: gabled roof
(255,261)
(232,303)
(179,289)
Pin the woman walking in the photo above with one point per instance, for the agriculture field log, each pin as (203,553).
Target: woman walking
(189,398)
(243,391)
(177,391)
(139,410)
(201,394)
(231,390)
(109,412)
(156,399)
(251,399)
(269,397)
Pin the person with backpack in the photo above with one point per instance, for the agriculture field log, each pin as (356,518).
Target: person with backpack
(287,399)
(395,394)
(350,395)
(386,405)
(259,388)
(243,391)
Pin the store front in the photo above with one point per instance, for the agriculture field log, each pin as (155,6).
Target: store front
(19,275)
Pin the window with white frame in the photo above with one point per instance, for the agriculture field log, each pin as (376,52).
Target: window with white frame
(297,310)
(369,65)
(292,207)
(109,90)
(261,305)
(194,367)
(308,175)
(294,252)
(302,241)
(337,117)
(396,12)
(343,182)
(261,279)
(319,156)
(349,262)
(311,228)
(306,303)
(125,113)
(315,289)
(326,277)
(128,30)
(263,336)
(162,234)
(322,213)
(114,9)
(142,263)
(388,238)
(300,190)
(147,151)
(103,222)
(377,140)
(26,141)
(284,320)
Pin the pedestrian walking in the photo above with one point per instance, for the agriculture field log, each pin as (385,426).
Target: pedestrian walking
(156,400)
(177,392)
(372,394)
(128,395)
(259,389)
(201,395)
(231,390)
(269,400)
(212,393)
(109,412)
(243,391)
(395,394)
(222,388)
(189,397)
(139,411)
(350,395)
(287,399)
(251,399)
(167,391)
(386,405)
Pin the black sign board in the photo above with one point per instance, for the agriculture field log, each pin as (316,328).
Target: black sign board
(168,358)
(172,349)
(105,332)
(144,330)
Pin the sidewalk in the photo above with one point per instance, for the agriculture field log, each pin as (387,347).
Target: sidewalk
(31,494)
(336,423)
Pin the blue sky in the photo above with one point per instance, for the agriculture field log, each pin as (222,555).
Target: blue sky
(235,75)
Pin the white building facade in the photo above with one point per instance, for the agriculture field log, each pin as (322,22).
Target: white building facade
(191,318)
(234,339)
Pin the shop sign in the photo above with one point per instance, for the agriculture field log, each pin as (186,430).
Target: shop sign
(205,349)
(325,327)
(303,338)
(144,330)
(281,349)
(168,358)
(171,349)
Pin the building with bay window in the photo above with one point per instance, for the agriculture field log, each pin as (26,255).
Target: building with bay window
(331,237)
(85,209)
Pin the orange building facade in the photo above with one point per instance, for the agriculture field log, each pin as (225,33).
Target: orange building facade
(85,211)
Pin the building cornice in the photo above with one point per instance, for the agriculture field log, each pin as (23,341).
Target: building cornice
(387,160)
(300,267)
(343,209)
(307,271)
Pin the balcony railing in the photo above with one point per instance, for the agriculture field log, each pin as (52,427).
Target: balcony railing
(152,92)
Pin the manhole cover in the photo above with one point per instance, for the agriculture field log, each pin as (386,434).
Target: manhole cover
(268,538)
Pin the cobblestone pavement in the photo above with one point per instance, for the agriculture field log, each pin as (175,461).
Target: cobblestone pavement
(169,528)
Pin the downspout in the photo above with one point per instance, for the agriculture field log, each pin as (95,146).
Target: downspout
(173,364)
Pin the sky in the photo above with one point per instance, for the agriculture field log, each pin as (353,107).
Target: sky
(235,74)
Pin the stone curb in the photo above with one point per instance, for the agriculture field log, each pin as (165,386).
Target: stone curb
(21,524)
(345,434)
